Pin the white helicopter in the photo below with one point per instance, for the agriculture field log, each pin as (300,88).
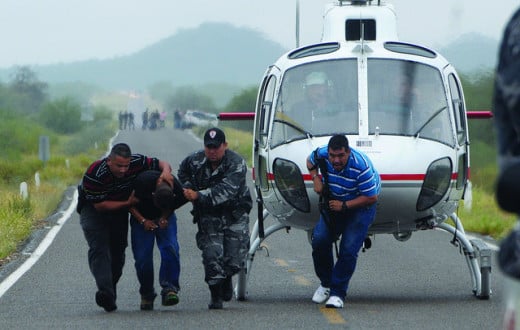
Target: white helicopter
(400,103)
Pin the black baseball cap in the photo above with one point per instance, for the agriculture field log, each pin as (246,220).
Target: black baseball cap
(214,137)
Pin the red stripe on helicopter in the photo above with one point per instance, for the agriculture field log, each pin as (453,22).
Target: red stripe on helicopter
(384,177)
(387,177)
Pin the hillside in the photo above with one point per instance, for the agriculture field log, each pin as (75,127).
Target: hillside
(219,53)
(212,52)
(472,53)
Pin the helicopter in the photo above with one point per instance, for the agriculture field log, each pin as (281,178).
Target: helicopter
(402,104)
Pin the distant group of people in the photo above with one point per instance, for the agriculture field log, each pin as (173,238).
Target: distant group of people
(125,186)
(126,120)
(153,119)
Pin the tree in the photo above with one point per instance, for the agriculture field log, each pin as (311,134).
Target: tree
(188,98)
(28,92)
(160,91)
(62,116)
(478,93)
(243,102)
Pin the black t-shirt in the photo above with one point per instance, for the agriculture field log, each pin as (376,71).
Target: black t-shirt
(144,186)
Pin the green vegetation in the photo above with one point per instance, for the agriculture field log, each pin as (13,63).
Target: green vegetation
(28,114)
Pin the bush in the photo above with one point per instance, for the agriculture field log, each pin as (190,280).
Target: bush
(62,116)
(92,135)
(16,172)
(18,136)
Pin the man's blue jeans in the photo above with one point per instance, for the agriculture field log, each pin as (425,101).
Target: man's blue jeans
(353,227)
(142,247)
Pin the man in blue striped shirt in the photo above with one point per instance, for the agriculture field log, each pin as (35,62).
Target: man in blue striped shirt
(349,186)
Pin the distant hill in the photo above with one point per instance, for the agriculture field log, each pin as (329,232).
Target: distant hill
(472,52)
(220,53)
(210,53)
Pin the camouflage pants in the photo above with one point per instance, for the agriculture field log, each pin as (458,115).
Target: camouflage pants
(224,242)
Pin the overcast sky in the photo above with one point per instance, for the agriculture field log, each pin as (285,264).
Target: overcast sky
(60,31)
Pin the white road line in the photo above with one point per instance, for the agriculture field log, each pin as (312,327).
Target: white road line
(46,242)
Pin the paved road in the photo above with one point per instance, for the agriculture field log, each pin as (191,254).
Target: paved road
(422,283)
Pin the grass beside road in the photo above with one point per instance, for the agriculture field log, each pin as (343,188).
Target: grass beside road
(18,216)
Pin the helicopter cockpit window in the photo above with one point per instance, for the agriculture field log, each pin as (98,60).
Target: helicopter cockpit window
(407,98)
(317,99)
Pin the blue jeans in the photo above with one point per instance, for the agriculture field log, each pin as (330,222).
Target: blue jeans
(142,247)
(353,227)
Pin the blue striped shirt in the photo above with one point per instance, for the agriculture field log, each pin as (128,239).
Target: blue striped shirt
(358,177)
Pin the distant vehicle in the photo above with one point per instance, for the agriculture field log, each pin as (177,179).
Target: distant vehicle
(198,118)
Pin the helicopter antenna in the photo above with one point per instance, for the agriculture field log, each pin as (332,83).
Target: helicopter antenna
(297,23)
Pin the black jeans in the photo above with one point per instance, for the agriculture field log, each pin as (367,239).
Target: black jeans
(106,235)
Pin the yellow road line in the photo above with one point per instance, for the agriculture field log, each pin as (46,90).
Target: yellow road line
(332,315)
(281,262)
(302,280)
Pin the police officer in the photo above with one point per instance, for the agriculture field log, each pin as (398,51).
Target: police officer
(214,180)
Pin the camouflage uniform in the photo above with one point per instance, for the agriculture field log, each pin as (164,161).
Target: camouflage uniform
(221,212)
(506,100)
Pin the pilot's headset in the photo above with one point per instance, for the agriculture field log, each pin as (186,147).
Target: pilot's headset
(317,78)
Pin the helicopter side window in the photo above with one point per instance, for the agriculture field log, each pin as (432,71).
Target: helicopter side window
(265,110)
(316,99)
(407,98)
(261,129)
(458,107)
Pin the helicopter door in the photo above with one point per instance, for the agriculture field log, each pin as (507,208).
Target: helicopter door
(461,130)
(263,113)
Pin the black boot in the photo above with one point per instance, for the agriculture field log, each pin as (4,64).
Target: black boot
(216,296)
(227,289)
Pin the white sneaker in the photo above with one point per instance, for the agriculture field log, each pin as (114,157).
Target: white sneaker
(321,295)
(334,302)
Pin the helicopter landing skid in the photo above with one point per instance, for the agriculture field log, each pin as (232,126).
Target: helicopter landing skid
(477,254)
(255,241)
